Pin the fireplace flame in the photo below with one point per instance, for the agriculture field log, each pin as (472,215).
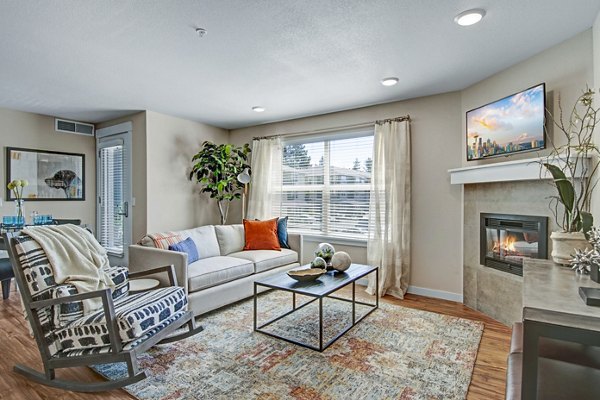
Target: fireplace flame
(506,246)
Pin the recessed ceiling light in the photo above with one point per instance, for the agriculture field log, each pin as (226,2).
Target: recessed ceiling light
(389,81)
(258,109)
(200,32)
(469,17)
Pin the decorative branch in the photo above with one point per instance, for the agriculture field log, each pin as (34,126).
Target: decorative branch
(569,164)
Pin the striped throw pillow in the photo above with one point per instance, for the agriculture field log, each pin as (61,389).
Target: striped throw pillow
(163,240)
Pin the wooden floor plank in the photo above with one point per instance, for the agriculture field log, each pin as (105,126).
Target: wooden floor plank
(16,346)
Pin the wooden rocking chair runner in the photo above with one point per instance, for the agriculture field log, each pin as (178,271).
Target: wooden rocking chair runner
(114,333)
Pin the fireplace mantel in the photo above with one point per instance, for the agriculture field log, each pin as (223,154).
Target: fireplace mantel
(518,170)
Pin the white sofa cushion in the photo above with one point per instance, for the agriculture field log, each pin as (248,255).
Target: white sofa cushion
(231,238)
(205,239)
(213,271)
(267,259)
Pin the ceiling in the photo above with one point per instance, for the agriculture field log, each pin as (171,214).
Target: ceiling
(93,61)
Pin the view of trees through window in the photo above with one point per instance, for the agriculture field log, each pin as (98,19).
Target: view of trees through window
(326,186)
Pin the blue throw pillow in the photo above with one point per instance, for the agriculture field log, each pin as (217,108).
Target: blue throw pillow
(187,246)
(282,233)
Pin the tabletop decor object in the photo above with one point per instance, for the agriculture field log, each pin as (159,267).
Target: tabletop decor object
(16,187)
(326,252)
(587,261)
(306,275)
(341,261)
(318,262)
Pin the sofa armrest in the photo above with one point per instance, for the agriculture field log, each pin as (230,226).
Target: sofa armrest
(295,240)
(142,258)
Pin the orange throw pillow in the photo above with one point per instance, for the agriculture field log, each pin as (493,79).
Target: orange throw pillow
(261,235)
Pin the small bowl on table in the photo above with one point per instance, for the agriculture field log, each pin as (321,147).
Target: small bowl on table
(306,275)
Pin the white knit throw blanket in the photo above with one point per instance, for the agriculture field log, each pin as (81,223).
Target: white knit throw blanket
(76,258)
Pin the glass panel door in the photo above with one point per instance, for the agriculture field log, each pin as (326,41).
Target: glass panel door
(111,203)
(114,192)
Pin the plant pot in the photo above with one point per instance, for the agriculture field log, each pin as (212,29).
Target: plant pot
(595,273)
(564,245)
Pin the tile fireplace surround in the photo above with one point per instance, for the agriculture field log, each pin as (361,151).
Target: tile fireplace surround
(496,293)
(511,187)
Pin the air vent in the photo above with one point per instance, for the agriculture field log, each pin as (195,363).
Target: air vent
(78,128)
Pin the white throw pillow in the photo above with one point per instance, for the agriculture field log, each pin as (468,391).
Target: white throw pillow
(231,238)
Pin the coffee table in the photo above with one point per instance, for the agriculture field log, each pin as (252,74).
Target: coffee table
(323,287)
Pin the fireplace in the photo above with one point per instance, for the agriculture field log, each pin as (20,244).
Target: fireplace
(506,240)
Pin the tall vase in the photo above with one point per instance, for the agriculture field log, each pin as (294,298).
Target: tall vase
(20,212)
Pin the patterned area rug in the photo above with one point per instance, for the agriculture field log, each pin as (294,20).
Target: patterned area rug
(394,353)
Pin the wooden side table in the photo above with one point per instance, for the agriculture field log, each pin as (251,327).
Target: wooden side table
(140,285)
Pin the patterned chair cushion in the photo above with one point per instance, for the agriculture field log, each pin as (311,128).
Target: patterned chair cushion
(136,315)
(127,346)
(120,277)
(65,313)
(38,272)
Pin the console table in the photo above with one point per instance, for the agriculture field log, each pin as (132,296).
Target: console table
(552,308)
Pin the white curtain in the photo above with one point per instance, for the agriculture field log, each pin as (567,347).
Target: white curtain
(265,186)
(388,246)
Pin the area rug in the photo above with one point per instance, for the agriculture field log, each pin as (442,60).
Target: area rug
(394,353)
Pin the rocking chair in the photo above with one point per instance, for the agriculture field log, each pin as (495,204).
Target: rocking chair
(126,326)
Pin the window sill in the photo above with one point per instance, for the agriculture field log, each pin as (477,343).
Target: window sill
(333,240)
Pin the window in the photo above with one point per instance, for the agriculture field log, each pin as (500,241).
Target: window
(326,185)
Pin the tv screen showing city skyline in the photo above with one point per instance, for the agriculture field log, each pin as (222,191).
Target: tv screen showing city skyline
(512,124)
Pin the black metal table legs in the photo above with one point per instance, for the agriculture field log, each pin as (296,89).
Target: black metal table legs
(323,344)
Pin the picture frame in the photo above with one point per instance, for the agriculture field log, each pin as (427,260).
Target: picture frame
(51,175)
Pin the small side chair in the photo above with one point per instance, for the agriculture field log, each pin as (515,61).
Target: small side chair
(126,325)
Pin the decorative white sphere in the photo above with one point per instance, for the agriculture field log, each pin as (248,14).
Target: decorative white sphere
(341,261)
(319,262)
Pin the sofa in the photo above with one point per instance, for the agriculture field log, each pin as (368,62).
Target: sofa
(224,272)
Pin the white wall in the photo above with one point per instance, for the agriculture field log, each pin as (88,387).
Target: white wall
(596,84)
(566,68)
(174,202)
(436,205)
(34,131)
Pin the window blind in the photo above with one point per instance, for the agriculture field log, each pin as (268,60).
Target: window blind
(326,185)
(111,199)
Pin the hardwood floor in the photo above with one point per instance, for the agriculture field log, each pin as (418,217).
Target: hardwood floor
(16,346)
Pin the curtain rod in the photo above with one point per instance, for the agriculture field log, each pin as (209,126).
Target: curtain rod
(337,128)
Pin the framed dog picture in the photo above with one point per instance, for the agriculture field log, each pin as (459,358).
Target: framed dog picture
(51,175)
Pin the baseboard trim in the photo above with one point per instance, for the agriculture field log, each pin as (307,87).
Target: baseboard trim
(438,294)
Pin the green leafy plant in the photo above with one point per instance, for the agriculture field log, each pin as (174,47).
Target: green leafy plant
(579,156)
(216,167)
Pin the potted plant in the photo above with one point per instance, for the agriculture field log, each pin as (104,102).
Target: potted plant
(577,157)
(216,167)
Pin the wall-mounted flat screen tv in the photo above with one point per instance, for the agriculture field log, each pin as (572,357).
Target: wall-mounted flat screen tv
(510,125)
